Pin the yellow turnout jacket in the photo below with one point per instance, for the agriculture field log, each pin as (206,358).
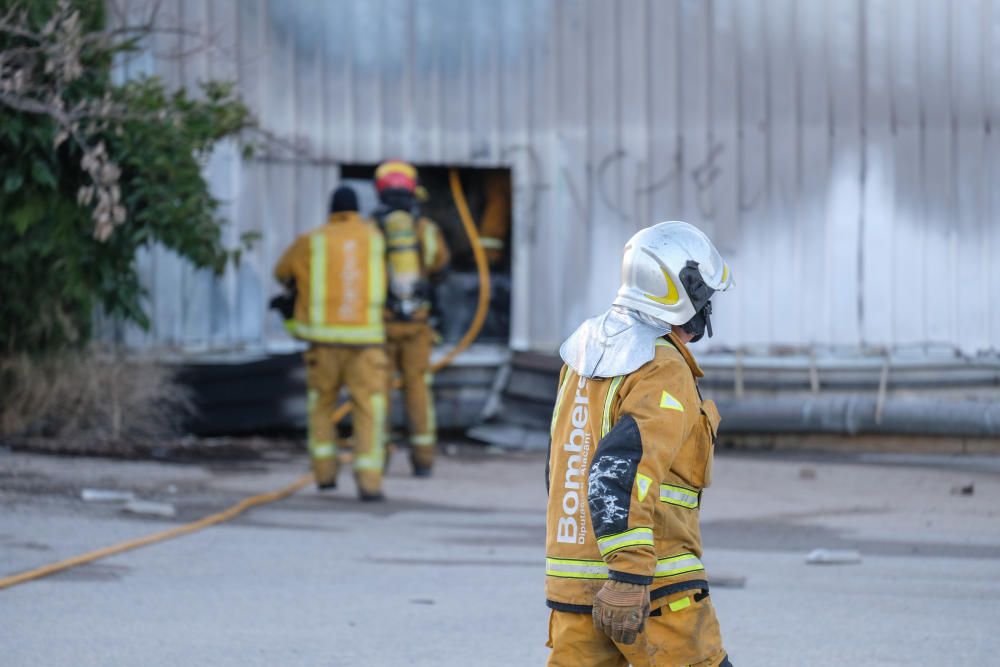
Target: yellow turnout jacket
(339,272)
(629,458)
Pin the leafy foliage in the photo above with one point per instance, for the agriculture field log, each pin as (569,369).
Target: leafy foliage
(91,171)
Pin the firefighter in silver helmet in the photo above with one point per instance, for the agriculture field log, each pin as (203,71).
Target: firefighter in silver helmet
(630,455)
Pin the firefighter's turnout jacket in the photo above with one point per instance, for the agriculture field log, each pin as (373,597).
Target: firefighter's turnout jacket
(629,458)
(339,272)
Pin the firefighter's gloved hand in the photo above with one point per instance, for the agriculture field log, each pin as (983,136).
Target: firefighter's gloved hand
(620,610)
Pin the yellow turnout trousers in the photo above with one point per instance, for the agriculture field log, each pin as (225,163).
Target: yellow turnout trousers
(363,370)
(665,642)
(408,345)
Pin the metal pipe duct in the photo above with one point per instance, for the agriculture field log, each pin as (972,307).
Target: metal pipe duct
(856,415)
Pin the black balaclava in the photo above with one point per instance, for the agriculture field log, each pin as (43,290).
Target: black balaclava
(700,295)
(398,199)
(343,199)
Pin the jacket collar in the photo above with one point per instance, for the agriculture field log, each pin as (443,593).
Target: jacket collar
(342,216)
(686,353)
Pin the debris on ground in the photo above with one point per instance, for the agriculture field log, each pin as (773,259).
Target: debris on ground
(181,449)
(807,473)
(150,508)
(833,557)
(106,496)
(967,489)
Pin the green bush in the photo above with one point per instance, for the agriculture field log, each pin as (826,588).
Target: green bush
(92,170)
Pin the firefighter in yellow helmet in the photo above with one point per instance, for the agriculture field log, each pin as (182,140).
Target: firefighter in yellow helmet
(338,272)
(415,255)
(630,455)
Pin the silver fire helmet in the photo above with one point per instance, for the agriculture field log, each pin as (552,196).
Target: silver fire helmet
(670,271)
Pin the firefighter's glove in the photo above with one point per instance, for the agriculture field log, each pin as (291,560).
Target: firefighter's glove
(620,610)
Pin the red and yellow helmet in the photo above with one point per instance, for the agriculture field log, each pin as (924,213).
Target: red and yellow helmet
(396,175)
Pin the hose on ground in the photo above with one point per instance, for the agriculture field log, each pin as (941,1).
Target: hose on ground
(261,499)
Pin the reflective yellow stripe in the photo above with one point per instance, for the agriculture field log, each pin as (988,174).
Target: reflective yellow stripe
(317,278)
(430,245)
(490,243)
(677,605)
(375,459)
(317,449)
(376,278)
(324,450)
(431,413)
(681,564)
(662,343)
(612,392)
(570,568)
(311,397)
(671,297)
(555,411)
(630,538)
(340,333)
(679,495)
(422,440)
(576,569)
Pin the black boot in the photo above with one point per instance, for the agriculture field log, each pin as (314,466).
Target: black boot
(376,497)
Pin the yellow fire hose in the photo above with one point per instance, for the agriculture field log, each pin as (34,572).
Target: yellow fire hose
(262,499)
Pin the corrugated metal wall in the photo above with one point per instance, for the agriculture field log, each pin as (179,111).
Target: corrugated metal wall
(843,153)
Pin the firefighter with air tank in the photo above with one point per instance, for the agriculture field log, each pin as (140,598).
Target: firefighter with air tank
(416,256)
(630,455)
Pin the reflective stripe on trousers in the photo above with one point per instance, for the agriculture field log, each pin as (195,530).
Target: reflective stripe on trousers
(375,460)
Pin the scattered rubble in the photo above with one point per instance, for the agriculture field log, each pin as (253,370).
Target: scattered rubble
(967,489)
(833,557)
(106,496)
(150,508)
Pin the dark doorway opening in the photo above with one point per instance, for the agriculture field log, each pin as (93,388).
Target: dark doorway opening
(488,192)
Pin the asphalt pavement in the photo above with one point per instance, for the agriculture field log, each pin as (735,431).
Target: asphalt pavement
(450,570)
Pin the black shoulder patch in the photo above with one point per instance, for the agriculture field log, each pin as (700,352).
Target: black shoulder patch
(609,489)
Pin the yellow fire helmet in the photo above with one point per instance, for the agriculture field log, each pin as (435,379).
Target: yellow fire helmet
(395,175)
